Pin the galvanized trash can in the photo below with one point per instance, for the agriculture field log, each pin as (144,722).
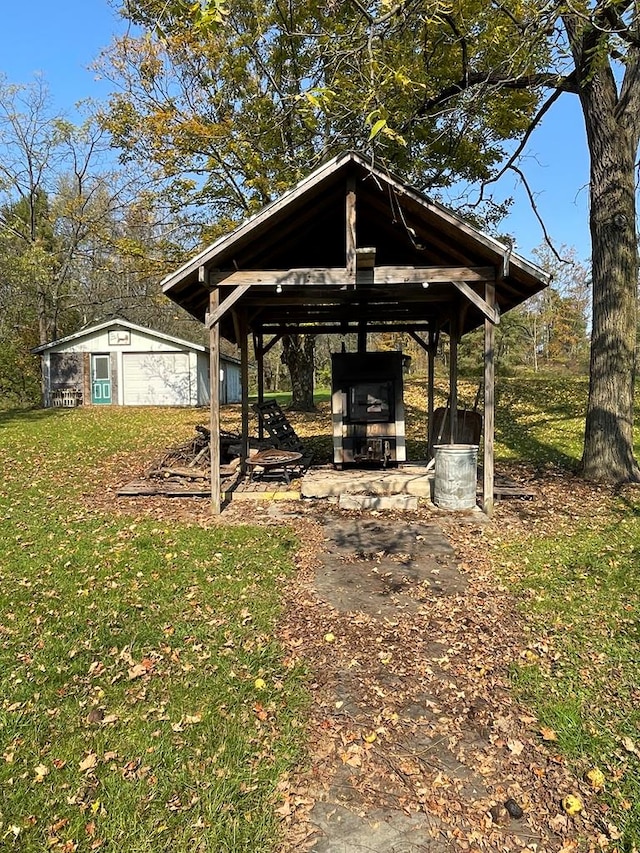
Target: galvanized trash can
(455,476)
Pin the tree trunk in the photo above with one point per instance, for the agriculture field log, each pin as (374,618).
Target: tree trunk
(297,354)
(608,448)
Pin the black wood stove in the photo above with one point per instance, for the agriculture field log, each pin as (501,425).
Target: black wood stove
(367,408)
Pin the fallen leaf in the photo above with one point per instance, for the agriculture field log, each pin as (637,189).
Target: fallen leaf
(548,734)
(596,778)
(515,746)
(628,744)
(137,671)
(88,762)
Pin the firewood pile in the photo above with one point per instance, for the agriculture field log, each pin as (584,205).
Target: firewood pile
(192,460)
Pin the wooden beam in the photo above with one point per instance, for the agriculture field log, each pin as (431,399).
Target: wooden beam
(413,333)
(324,276)
(243,342)
(351,239)
(214,404)
(366,258)
(335,329)
(489,406)
(454,337)
(226,304)
(258,348)
(489,311)
(277,336)
(431,275)
(432,350)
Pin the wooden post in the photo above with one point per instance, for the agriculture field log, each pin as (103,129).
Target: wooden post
(431,372)
(489,403)
(453,378)
(244,382)
(214,401)
(351,240)
(258,346)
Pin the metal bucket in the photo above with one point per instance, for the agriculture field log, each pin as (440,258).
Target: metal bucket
(455,476)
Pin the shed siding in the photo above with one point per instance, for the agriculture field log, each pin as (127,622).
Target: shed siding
(157,379)
(230,385)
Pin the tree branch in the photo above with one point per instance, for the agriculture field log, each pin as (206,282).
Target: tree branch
(566,83)
(535,121)
(536,212)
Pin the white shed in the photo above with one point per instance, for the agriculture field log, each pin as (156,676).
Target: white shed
(120,363)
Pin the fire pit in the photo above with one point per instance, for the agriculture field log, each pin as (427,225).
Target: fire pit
(274,459)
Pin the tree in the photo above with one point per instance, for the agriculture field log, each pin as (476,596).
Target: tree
(297,354)
(435,88)
(78,241)
(560,313)
(235,104)
(590,49)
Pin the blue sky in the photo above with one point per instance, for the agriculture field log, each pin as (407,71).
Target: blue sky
(60,40)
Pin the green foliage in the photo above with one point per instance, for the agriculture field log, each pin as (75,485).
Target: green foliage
(130,712)
(547,332)
(249,100)
(19,373)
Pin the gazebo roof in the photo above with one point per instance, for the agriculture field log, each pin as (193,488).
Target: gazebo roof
(352,245)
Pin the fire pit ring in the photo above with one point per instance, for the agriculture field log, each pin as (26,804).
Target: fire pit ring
(272,459)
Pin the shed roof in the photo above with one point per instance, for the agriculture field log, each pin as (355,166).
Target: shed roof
(292,259)
(119,323)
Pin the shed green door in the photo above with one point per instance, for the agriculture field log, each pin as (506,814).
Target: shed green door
(100,379)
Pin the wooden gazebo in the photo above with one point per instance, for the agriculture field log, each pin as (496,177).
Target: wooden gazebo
(353,249)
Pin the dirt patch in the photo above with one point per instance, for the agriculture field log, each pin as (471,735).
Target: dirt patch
(416,741)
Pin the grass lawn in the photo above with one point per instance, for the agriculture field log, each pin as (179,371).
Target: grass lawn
(145,702)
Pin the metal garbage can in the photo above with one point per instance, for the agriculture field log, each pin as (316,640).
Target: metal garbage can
(456,475)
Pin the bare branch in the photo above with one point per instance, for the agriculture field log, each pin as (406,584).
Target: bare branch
(521,146)
(534,207)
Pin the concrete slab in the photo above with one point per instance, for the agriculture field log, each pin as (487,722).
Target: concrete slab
(381,831)
(404,480)
(382,502)
(382,569)
(369,536)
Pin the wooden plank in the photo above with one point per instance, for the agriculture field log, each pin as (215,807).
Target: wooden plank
(489,311)
(243,342)
(431,373)
(291,277)
(323,276)
(453,377)
(489,405)
(214,403)
(139,488)
(434,275)
(350,221)
(227,303)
